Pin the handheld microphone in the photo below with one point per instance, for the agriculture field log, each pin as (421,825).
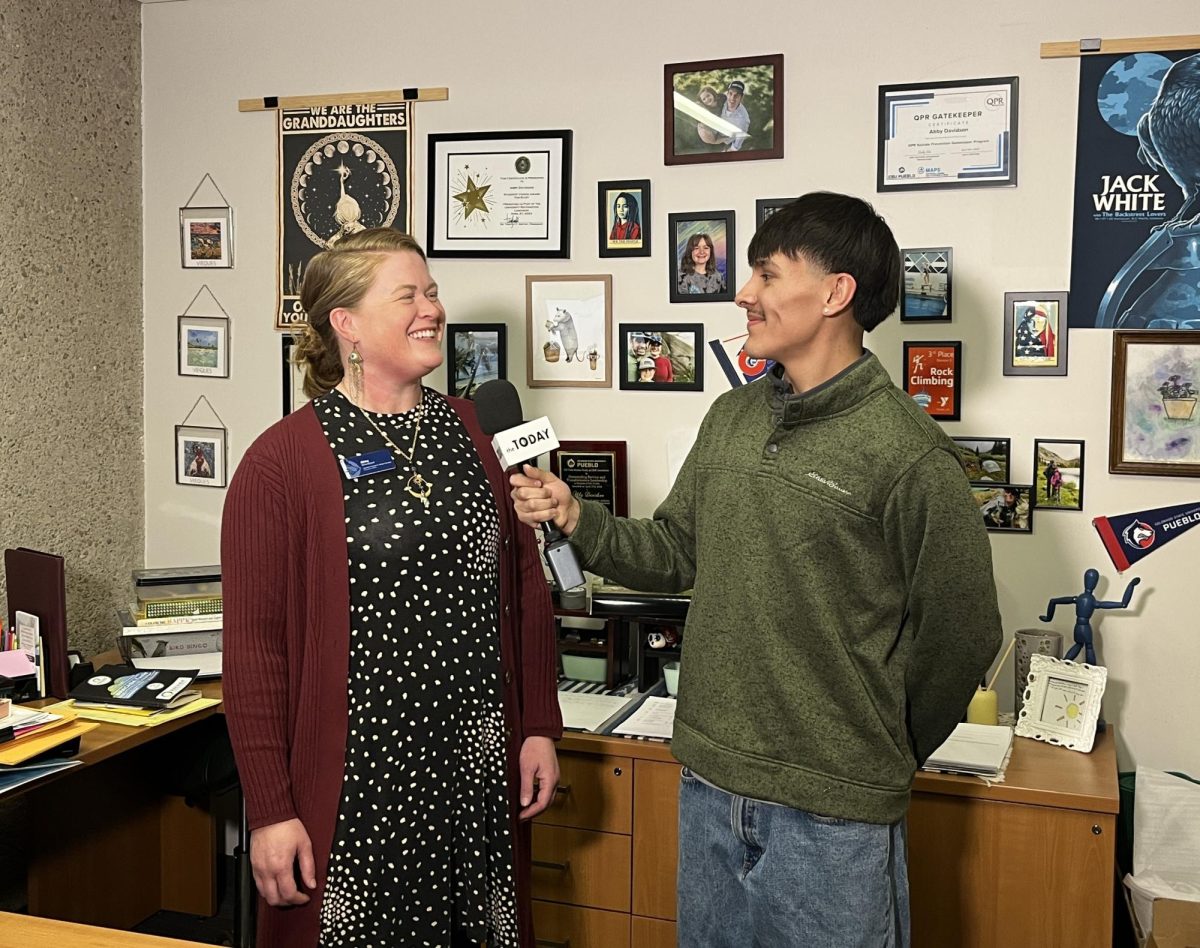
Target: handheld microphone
(498,407)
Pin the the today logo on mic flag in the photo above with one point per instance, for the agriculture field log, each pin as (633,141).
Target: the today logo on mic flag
(525,442)
(1133,536)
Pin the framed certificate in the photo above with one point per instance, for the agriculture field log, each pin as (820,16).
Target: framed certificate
(933,377)
(948,135)
(594,470)
(499,194)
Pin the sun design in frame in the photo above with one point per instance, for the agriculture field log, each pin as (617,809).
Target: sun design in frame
(1066,701)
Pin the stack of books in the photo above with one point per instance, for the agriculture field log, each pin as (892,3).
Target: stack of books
(176,620)
(123,694)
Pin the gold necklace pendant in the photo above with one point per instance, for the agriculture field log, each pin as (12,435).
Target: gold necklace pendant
(419,488)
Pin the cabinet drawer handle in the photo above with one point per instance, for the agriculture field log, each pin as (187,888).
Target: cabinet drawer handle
(553,944)
(563,866)
(563,788)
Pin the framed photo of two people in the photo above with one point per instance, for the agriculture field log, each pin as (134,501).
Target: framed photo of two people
(723,110)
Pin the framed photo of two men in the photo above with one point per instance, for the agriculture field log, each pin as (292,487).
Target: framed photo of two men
(723,110)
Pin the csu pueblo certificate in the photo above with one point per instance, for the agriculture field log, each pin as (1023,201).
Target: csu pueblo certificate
(948,134)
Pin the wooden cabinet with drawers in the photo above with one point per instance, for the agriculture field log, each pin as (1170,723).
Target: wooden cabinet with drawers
(604,853)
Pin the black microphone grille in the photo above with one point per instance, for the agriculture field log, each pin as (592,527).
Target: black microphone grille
(498,406)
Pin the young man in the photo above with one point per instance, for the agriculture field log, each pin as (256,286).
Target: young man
(843,608)
(734,111)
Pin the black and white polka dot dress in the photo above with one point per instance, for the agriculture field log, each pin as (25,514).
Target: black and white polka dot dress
(423,846)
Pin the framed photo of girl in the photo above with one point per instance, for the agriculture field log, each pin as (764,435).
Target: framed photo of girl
(623,211)
(1035,333)
(664,357)
(702,257)
(1057,474)
(475,353)
(723,110)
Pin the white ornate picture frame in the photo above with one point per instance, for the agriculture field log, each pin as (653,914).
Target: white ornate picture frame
(1061,704)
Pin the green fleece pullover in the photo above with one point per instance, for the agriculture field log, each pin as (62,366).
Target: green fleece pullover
(843,608)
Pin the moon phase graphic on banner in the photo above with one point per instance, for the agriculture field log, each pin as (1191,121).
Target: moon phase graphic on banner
(344,183)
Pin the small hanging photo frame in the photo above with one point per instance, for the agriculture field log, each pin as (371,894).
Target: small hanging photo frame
(206,232)
(203,341)
(201,453)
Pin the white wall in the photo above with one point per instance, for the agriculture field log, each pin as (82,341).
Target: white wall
(597,68)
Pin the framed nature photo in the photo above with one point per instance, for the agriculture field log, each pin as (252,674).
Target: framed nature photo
(1005,508)
(568,328)
(1062,702)
(1035,333)
(203,346)
(702,257)
(475,353)
(200,456)
(206,236)
(985,460)
(499,194)
(1057,474)
(927,276)
(723,110)
(661,357)
(933,377)
(1154,427)
(623,212)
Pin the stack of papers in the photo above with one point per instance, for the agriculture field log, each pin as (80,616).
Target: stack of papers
(654,718)
(590,712)
(36,732)
(979,749)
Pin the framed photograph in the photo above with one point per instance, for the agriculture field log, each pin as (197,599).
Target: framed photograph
(933,377)
(723,110)
(475,353)
(927,275)
(1035,333)
(623,210)
(985,460)
(206,237)
(948,135)
(1005,508)
(594,470)
(499,194)
(1154,427)
(664,357)
(200,456)
(765,207)
(568,328)
(702,257)
(1062,702)
(203,346)
(293,378)
(1057,474)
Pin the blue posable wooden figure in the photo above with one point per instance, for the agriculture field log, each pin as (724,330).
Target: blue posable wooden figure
(1085,604)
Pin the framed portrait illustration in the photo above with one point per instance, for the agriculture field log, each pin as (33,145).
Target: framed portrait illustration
(594,470)
(200,456)
(568,331)
(985,460)
(623,212)
(947,135)
(703,257)
(293,377)
(1035,333)
(206,237)
(1058,474)
(765,207)
(933,377)
(927,284)
(1061,704)
(499,194)
(1154,427)
(475,353)
(1005,508)
(723,110)
(662,357)
(203,346)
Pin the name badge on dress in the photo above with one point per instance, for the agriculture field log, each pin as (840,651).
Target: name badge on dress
(364,465)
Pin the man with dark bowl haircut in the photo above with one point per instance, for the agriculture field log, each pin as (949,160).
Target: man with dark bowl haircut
(843,608)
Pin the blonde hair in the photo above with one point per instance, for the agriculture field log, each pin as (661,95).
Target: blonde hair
(339,276)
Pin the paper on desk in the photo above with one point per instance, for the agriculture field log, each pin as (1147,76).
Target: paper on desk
(655,718)
(588,711)
(50,737)
(1166,843)
(132,718)
(16,664)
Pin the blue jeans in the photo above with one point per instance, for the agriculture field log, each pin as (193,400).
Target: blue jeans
(761,875)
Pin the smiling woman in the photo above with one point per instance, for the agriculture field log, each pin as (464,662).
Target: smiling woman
(334,579)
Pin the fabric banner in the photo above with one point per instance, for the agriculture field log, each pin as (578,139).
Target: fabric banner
(342,169)
(739,368)
(1137,157)
(1133,536)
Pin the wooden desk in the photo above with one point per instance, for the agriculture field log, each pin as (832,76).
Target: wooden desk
(109,848)
(25,931)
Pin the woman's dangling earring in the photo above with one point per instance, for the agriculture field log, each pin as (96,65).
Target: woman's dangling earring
(355,361)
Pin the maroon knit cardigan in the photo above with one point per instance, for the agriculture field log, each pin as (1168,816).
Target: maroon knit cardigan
(287,645)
